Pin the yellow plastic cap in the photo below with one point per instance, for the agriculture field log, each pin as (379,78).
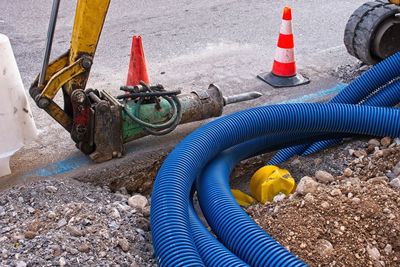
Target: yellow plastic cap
(242,199)
(269,181)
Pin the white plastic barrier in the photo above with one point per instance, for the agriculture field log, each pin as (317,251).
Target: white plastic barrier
(16,122)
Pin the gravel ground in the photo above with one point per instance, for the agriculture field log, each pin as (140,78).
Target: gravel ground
(348,215)
(347,73)
(351,219)
(67,223)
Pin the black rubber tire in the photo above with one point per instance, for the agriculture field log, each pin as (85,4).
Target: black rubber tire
(361,28)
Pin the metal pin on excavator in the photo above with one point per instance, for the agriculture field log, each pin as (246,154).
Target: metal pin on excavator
(99,123)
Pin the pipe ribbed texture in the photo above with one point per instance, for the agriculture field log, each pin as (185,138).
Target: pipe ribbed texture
(359,89)
(171,231)
(388,96)
(208,246)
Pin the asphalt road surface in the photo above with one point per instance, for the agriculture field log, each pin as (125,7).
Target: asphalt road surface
(188,45)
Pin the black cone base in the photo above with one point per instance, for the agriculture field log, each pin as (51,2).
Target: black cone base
(279,82)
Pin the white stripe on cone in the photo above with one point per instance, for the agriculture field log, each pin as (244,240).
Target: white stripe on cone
(284,55)
(286,27)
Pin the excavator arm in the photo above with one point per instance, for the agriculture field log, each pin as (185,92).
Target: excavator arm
(99,123)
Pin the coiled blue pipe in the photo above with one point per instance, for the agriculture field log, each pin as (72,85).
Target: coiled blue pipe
(382,73)
(251,244)
(208,246)
(388,96)
(206,243)
(172,238)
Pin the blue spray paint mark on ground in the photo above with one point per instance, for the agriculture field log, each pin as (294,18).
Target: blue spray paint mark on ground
(76,162)
(61,167)
(316,95)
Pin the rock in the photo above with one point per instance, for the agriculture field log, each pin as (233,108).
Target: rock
(324,247)
(396,141)
(62,262)
(336,192)
(386,141)
(378,180)
(324,177)
(146,211)
(396,169)
(373,253)
(124,244)
(371,149)
(307,185)
(21,264)
(115,214)
(360,154)
(355,200)
(73,251)
(138,202)
(378,153)
(31,210)
(51,189)
(113,225)
(374,142)
(56,250)
(30,234)
(279,197)
(388,249)
(85,248)
(51,215)
(309,198)
(325,205)
(395,183)
(18,236)
(390,175)
(348,172)
(74,231)
(351,152)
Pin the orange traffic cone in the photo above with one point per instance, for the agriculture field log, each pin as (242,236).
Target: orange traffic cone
(284,71)
(137,66)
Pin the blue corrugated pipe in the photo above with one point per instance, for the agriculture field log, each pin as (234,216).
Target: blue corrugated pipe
(207,245)
(388,96)
(172,235)
(359,89)
(252,244)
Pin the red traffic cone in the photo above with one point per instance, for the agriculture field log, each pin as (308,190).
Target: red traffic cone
(137,66)
(284,71)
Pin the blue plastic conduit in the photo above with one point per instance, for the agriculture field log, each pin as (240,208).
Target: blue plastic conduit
(214,187)
(388,96)
(208,246)
(355,92)
(172,239)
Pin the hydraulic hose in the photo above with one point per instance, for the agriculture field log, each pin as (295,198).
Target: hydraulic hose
(172,239)
(359,89)
(388,96)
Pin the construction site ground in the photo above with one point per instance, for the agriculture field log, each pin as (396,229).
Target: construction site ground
(58,208)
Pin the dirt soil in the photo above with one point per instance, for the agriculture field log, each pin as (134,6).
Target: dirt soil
(351,220)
